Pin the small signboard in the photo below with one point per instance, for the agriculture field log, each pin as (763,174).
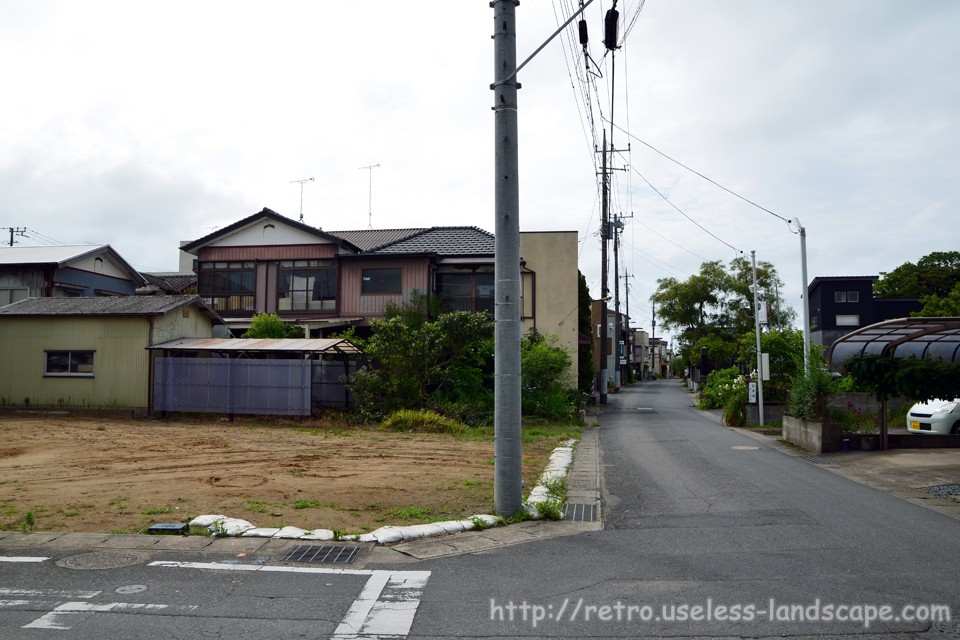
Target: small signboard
(752,391)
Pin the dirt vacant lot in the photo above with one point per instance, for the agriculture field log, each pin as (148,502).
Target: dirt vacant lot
(60,473)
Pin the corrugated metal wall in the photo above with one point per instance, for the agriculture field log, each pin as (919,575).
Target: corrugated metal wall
(229,385)
(273,252)
(121,365)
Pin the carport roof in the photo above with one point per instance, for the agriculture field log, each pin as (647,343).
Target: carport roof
(932,338)
(262,345)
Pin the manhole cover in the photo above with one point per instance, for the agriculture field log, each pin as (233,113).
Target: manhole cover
(321,554)
(580,512)
(103,560)
(743,447)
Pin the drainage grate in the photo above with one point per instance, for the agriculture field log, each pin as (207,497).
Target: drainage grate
(580,512)
(322,554)
(815,460)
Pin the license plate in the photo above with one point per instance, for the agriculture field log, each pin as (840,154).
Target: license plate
(915,425)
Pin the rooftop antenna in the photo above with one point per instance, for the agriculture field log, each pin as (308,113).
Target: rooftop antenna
(370,169)
(301,183)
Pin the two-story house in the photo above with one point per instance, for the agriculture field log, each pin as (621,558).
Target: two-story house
(65,271)
(842,304)
(325,281)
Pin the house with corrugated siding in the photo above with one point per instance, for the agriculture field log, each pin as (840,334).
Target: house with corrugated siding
(325,281)
(85,270)
(91,352)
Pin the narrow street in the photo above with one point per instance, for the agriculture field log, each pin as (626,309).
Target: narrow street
(707,532)
(696,514)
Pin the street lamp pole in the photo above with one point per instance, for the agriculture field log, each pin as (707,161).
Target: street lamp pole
(806,302)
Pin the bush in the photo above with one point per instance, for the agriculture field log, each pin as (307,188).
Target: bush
(720,385)
(421,421)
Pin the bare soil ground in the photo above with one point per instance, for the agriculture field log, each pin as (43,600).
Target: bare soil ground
(106,475)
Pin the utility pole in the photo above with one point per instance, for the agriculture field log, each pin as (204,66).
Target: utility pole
(301,183)
(370,169)
(508,462)
(604,290)
(20,231)
(626,290)
(756,325)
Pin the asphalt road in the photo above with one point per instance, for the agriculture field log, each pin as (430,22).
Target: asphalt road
(707,533)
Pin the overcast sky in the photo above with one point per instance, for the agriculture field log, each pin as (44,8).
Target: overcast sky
(141,124)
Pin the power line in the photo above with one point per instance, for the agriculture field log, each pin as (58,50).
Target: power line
(694,171)
(681,212)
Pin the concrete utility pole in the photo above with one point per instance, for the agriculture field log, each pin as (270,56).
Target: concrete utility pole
(806,301)
(604,290)
(508,483)
(756,326)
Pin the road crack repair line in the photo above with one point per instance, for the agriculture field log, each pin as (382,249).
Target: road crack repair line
(386,606)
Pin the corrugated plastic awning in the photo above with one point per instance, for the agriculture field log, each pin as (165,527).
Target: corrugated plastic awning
(262,345)
(930,338)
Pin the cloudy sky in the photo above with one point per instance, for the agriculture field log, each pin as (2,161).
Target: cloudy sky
(141,124)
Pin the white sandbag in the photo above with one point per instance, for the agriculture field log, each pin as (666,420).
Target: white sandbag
(292,533)
(206,521)
(532,512)
(451,526)
(260,532)
(386,535)
(230,527)
(318,534)
(491,521)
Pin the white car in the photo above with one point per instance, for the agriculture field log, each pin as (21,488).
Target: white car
(935,416)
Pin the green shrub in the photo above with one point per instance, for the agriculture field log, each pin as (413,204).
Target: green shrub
(421,421)
(720,385)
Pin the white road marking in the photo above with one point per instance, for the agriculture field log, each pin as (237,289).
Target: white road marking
(385,607)
(49,593)
(22,559)
(69,614)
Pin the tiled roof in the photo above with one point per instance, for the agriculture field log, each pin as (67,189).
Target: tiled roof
(172,282)
(366,239)
(103,306)
(443,241)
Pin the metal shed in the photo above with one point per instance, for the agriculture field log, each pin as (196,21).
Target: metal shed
(287,376)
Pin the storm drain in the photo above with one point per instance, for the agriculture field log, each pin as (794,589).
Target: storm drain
(580,512)
(815,460)
(322,554)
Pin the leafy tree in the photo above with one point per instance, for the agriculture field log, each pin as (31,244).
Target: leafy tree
(937,307)
(936,274)
(714,307)
(270,325)
(542,365)
(911,378)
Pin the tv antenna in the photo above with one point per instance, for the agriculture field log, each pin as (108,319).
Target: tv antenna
(301,183)
(370,169)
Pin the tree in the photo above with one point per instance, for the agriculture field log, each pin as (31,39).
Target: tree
(715,307)
(270,325)
(936,274)
(937,307)
(585,370)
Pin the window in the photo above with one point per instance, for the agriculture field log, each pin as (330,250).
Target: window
(307,285)
(848,320)
(227,286)
(466,291)
(839,296)
(69,363)
(853,296)
(381,281)
(9,296)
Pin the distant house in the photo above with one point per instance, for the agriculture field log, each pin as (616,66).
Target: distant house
(842,304)
(91,352)
(325,281)
(65,271)
(170,283)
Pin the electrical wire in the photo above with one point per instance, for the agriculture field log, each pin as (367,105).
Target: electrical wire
(711,181)
(681,212)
